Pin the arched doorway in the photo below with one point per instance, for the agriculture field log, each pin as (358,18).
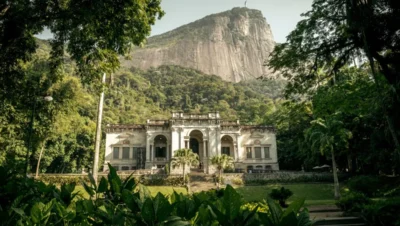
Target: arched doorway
(196,143)
(160,148)
(227,146)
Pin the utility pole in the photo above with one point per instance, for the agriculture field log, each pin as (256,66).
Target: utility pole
(98,131)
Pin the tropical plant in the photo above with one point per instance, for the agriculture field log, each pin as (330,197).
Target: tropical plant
(327,136)
(281,195)
(292,215)
(185,158)
(222,162)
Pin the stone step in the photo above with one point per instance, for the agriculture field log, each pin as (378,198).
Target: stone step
(339,221)
(323,208)
(322,215)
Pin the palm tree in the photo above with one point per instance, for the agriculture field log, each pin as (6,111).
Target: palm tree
(222,162)
(183,157)
(326,136)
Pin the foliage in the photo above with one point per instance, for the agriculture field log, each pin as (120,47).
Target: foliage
(326,136)
(222,162)
(382,213)
(290,216)
(281,195)
(367,185)
(124,202)
(353,201)
(185,158)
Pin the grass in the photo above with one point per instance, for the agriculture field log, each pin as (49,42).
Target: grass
(315,194)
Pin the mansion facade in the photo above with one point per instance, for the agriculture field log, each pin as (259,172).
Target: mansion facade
(150,145)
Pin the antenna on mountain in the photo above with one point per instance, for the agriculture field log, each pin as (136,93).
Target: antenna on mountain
(245,3)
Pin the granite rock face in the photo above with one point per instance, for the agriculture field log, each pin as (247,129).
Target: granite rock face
(233,45)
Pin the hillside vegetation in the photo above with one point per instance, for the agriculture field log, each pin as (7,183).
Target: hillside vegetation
(135,95)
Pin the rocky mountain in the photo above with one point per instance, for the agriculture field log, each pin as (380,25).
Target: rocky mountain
(233,45)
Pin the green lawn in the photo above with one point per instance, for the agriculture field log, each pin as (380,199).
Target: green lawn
(315,194)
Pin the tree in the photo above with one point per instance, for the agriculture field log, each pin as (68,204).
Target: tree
(184,157)
(327,136)
(222,162)
(335,33)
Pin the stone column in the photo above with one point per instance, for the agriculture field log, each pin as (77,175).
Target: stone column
(152,152)
(180,137)
(218,141)
(148,147)
(167,150)
(174,140)
(237,146)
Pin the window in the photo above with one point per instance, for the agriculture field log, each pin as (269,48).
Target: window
(125,153)
(125,168)
(257,152)
(116,153)
(161,152)
(266,153)
(248,153)
(249,169)
(226,151)
(134,153)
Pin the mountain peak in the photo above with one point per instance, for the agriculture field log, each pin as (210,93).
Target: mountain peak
(233,44)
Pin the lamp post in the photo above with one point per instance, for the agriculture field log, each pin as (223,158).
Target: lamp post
(47,99)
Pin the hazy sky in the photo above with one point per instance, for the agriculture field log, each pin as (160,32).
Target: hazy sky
(282,15)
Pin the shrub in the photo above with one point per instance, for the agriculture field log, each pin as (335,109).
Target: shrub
(382,213)
(367,185)
(353,202)
(237,181)
(281,195)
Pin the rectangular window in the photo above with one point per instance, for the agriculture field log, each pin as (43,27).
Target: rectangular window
(257,152)
(248,153)
(125,153)
(116,153)
(161,152)
(226,151)
(134,153)
(266,153)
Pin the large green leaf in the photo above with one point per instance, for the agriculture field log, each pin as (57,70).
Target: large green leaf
(288,220)
(103,185)
(275,211)
(36,212)
(147,212)
(294,207)
(231,202)
(162,207)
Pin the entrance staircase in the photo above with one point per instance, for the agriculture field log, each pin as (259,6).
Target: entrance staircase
(331,215)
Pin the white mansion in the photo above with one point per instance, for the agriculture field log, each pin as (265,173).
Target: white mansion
(131,147)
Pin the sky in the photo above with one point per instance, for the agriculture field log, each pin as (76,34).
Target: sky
(282,15)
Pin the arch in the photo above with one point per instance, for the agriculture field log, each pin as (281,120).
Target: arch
(227,145)
(195,141)
(160,146)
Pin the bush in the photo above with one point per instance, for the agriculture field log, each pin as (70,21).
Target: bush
(237,181)
(383,213)
(368,185)
(281,195)
(353,202)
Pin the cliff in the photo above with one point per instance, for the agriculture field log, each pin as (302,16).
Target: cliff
(233,45)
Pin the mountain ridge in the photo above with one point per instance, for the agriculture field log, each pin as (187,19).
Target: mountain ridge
(234,45)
